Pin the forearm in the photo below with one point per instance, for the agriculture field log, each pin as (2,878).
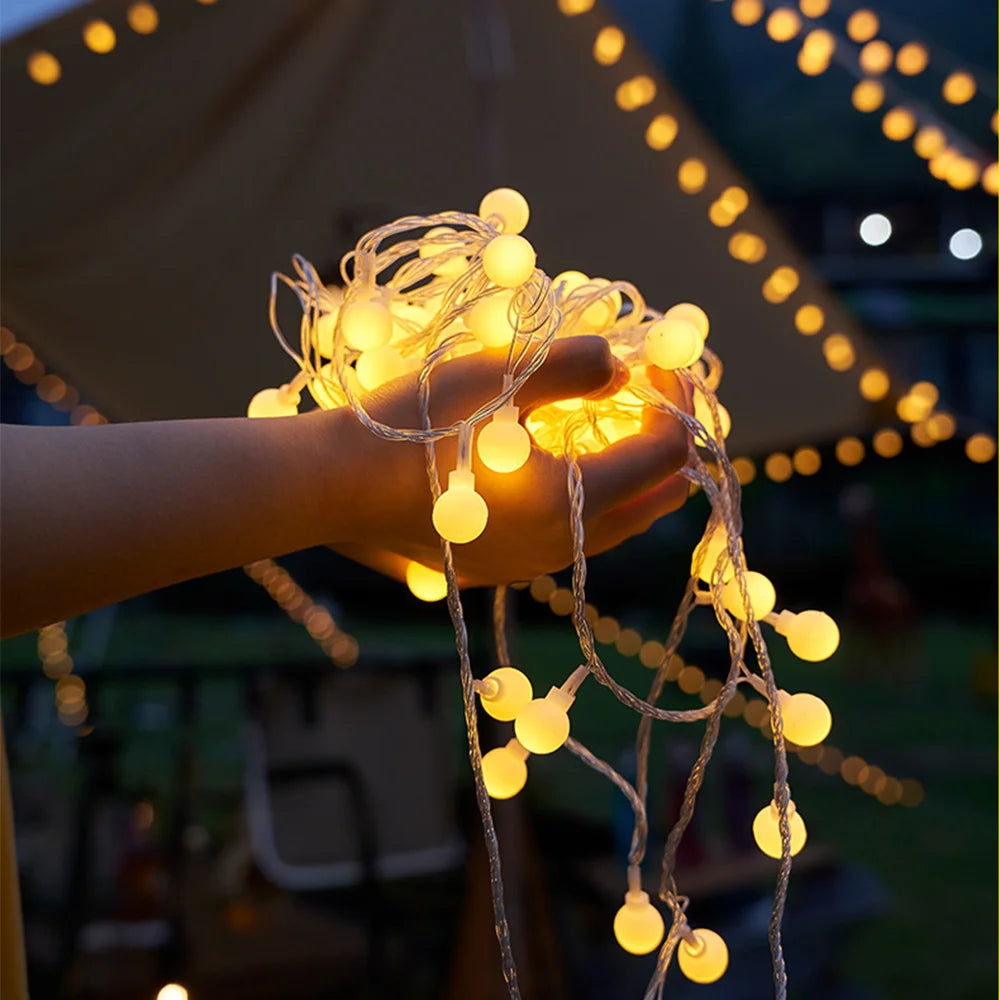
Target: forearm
(94,515)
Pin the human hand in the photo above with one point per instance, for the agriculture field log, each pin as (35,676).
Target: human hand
(627,486)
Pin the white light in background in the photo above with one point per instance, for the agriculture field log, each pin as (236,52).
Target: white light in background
(875,229)
(965,244)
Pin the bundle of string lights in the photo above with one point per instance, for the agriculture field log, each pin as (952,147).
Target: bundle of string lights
(426,289)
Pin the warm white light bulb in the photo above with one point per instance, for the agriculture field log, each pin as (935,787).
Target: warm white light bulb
(460,513)
(567,282)
(508,260)
(715,547)
(805,718)
(280,402)
(172,991)
(811,635)
(767,833)
(503,444)
(703,414)
(366,324)
(425,583)
(543,725)
(450,264)
(673,343)
(638,925)
(509,205)
(505,770)
(511,693)
(489,322)
(704,960)
(761,593)
(378,366)
(691,313)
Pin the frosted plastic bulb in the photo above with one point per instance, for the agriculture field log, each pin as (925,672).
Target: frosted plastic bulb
(503,444)
(567,282)
(460,513)
(638,925)
(450,266)
(806,719)
(366,325)
(706,960)
(510,205)
(703,414)
(378,366)
(811,635)
(692,313)
(274,403)
(672,344)
(762,597)
(505,770)
(425,583)
(325,388)
(508,260)
(601,314)
(488,320)
(326,326)
(172,991)
(714,549)
(767,833)
(513,694)
(543,725)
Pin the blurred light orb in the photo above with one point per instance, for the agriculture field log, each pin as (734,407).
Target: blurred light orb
(965,244)
(959,88)
(706,960)
(875,229)
(862,25)
(783,24)
(747,12)
(911,59)
(868,95)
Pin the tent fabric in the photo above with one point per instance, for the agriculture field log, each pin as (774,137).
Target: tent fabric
(151,192)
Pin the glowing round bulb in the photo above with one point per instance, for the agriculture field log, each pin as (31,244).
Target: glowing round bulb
(965,244)
(44,68)
(425,583)
(783,24)
(760,591)
(875,229)
(911,59)
(929,141)
(366,325)
(99,36)
(862,25)
(898,124)
(505,771)
(673,343)
(714,549)
(326,327)
(508,260)
(767,833)
(488,320)
(601,314)
(811,635)
(806,719)
(512,695)
(142,18)
(510,205)
(503,444)
(706,960)
(274,403)
(638,925)
(876,57)
(543,725)
(959,88)
(460,513)
(868,95)
(451,263)
(688,311)
(172,991)
(703,414)
(567,282)
(379,366)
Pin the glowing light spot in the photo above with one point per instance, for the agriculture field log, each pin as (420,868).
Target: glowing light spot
(839,352)
(929,141)
(814,8)
(965,244)
(778,467)
(747,247)
(868,95)
(783,24)
(980,448)
(609,45)
(142,18)
(691,176)
(875,229)
(661,132)
(573,7)
(99,37)
(898,124)
(425,583)
(962,173)
(911,59)
(862,25)
(635,93)
(887,442)
(809,319)
(806,461)
(989,179)
(747,12)
(44,68)
(745,470)
(941,426)
(873,384)
(959,88)
(876,57)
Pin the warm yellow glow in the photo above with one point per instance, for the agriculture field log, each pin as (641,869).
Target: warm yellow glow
(887,442)
(489,322)
(911,408)
(173,991)
(509,205)
(747,247)
(573,7)
(606,630)
(959,88)
(784,280)
(705,960)
(508,260)
(691,176)
(850,451)
(783,24)
(941,426)
(635,93)
(273,403)
(868,95)
(452,262)
(873,384)
(690,313)
(806,461)
(710,556)
(760,591)
(542,726)
(926,391)
(767,833)
(542,588)
(505,771)
(381,365)
(661,132)
(819,43)
(44,68)
(609,45)
(809,319)
(142,18)
(747,12)
(703,414)
(812,63)
(980,448)
(721,215)
(929,141)
(814,8)
(778,467)
(911,59)
(806,719)
(629,642)
(898,124)
(989,179)
(460,513)
(745,470)
(326,390)
(735,199)
(638,925)
(425,583)
(876,57)
(962,173)
(513,693)
(99,36)
(862,25)
(503,444)
(673,343)
(921,436)
(839,352)
(993,121)
(939,164)
(366,324)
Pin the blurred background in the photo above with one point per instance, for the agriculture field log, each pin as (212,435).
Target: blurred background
(256,784)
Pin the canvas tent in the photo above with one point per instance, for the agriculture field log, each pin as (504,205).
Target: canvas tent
(150,193)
